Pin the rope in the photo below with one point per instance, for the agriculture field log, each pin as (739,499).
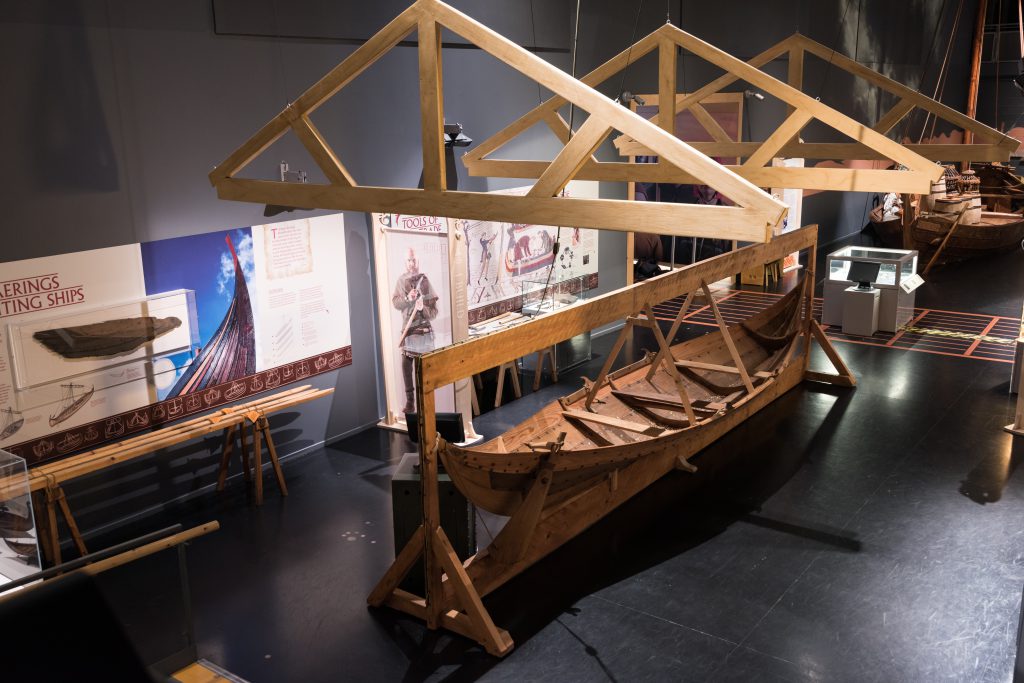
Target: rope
(905,125)
(629,52)
(959,335)
(835,41)
(940,82)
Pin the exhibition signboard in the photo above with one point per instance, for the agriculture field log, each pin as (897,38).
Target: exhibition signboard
(98,345)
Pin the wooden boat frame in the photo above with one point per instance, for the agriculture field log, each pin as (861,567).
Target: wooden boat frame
(454,589)
(752,218)
(667,40)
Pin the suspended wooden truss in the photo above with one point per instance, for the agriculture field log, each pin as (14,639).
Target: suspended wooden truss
(752,218)
(869,142)
(995,146)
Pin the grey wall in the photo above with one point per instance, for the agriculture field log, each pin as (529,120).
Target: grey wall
(117,110)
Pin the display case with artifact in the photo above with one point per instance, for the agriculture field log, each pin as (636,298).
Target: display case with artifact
(50,350)
(897,279)
(540,297)
(19,550)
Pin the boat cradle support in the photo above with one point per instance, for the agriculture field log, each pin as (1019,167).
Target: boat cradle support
(454,590)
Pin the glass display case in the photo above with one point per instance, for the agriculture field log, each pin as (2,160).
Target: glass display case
(19,549)
(897,281)
(540,297)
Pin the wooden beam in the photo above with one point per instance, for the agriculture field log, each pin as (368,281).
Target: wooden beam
(802,102)
(727,338)
(831,178)
(709,123)
(894,116)
(431,105)
(837,59)
(364,56)
(726,222)
(814,150)
(570,159)
(542,111)
(730,78)
(611,113)
(466,358)
(625,425)
(667,86)
(321,152)
(790,128)
(795,71)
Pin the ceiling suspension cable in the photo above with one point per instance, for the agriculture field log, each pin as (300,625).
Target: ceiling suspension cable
(940,82)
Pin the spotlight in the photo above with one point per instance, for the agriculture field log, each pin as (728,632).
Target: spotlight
(287,176)
(753,93)
(625,97)
(453,136)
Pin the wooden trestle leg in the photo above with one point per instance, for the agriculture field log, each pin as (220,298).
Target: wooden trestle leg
(440,560)
(48,532)
(813,332)
(261,435)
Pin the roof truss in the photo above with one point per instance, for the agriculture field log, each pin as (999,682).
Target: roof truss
(871,142)
(996,146)
(751,219)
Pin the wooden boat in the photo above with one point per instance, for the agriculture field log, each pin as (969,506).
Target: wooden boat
(943,230)
(26,551)
(231,352)
(995,233)
(70,402)
(107,338)
(890,232)
(13,525)
(13,420)
(646,411)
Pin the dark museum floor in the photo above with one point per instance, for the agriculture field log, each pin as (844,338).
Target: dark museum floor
(839,535)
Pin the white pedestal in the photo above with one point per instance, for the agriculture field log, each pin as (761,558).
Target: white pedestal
(860,311)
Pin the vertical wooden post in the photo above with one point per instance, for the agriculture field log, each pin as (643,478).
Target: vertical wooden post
(667,86)
(796,71)
(431,107)
(428,487)
(972,87)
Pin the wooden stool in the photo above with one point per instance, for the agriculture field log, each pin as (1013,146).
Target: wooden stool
(549,353)
(516,389)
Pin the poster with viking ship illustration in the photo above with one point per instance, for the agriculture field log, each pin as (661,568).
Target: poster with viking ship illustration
(58,358)
(504,256)
(99,345)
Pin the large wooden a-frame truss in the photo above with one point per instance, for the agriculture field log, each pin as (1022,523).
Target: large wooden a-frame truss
(752,218)
(867,142)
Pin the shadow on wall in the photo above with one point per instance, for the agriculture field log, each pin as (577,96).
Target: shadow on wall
(73,142)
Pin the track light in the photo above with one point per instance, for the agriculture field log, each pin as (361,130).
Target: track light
(753,93)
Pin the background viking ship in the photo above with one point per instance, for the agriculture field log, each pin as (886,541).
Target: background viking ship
(231,352)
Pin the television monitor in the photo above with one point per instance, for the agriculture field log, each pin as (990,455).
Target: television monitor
(863,273)
(449,426)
